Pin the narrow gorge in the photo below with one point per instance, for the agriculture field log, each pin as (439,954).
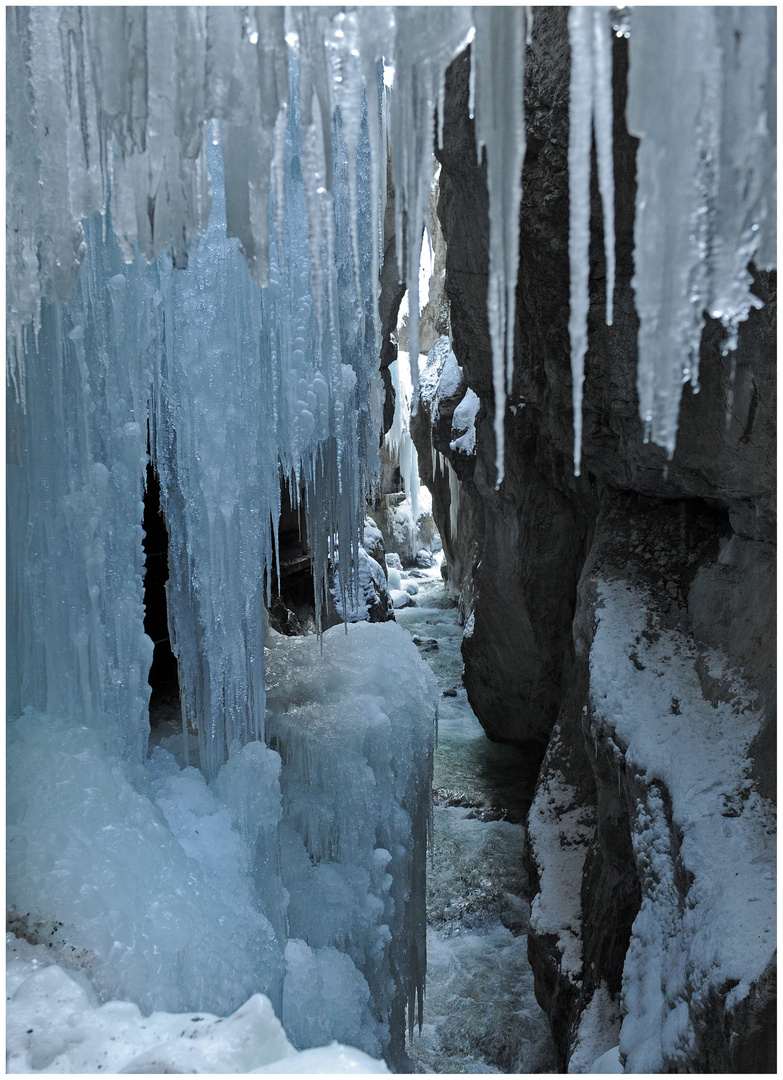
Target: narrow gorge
(391,529)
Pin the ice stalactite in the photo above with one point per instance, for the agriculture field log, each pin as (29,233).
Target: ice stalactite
(701,98)
(590,108)
(497,86)
(425,42)
(95,102)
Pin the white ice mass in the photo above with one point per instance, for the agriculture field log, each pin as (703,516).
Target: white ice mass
(195,202)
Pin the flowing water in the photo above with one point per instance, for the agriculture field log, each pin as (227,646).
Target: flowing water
(480,1011)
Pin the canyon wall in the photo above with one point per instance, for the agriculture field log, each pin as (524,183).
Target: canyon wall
(635,557)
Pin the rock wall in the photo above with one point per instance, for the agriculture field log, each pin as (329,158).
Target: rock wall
(691,540)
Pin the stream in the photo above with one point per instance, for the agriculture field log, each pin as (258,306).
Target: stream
(480,1011)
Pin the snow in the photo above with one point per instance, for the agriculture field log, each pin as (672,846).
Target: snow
(463,424)
(560,832)
(595,1048)
(608,1062)
(685,722)
(55,1023)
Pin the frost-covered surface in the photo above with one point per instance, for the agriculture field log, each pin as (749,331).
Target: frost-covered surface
(56,1024)
(704,840)
(560,829)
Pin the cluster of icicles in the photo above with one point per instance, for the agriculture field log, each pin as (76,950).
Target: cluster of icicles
(117,98)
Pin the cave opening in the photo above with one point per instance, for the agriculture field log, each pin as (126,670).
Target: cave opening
(163,676)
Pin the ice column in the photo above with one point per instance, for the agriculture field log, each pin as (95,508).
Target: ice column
(701,94)
(497,92)
(76,463)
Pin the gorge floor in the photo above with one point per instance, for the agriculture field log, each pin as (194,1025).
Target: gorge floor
(480,1011)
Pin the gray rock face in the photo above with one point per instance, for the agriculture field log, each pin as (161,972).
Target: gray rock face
(432,431)
(702,554)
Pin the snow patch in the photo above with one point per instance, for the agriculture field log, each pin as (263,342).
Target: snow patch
(55,1024)
(560,832)
(704,839)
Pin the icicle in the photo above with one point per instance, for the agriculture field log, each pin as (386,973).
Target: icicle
(590,103)
(579,141)
(498,54)
(604,122)
(453,501)
(427,40)
(705,178)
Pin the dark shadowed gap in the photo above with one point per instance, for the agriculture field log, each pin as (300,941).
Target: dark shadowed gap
(163,677)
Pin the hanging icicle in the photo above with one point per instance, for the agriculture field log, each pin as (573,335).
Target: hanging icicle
(590,107)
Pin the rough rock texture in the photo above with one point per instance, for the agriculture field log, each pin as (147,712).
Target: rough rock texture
(703,554)
(446,472)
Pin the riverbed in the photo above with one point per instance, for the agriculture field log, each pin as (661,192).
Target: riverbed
(480,1011)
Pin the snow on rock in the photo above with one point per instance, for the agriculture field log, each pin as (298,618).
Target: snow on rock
(368,599)
(703,838)
(56,1024)
(463,424)
(560,829)
(326,1059)
(608,1062)
(596,1039)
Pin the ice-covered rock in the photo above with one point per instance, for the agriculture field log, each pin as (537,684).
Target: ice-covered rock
(369,601)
